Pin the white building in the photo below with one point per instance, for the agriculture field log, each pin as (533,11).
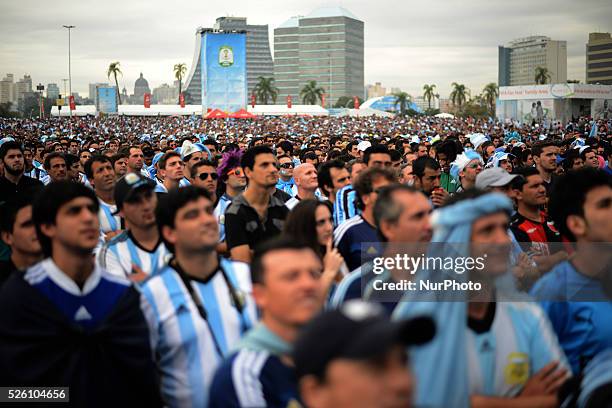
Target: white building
(519,59)
(7,89)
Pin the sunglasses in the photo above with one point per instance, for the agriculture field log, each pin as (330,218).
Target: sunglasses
(286,165)
(235,172)
(474,166)
(204,176)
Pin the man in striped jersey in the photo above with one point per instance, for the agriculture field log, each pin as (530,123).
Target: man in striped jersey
(71,323)
(99,171)
(171,170)
(199,305)
(138,252)
(288,289)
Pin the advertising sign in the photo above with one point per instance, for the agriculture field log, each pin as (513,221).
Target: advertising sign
(107,99)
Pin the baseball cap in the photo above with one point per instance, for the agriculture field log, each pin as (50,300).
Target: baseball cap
(493,177)
(363,146)
(128,184)
(356,331)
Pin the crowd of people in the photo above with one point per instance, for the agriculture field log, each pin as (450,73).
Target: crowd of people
(184,262)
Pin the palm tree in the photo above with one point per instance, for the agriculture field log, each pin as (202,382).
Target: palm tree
(179,72)
(542,75)
(113,69)
(402,99)
(311,92)
(490,94)
(428,93)
(265,89)
(459,95)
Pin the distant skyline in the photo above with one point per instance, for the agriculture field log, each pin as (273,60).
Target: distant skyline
(406,45)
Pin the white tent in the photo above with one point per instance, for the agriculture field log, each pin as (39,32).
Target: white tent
(281,110)
(132,110)
(445,116)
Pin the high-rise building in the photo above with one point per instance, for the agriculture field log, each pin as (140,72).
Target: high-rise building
(258,55)
(520,58)
(166,94)
(7,89)
(53,91)
(325,46)
(599,59)
(376,90)
(23,86)
(92,90)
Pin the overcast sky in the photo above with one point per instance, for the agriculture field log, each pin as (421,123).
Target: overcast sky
(407,43)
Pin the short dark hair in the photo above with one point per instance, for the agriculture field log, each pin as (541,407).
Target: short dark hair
(249,156)
(538,147)
(569,193)
(48,203)
(585,151)
(324,173)
(10,208)
(375,149)
(519,182)
(118,156)
(51,156)
(275,244)
(419,165)
(98,158)
(363,184)
(10,145)
(71,159)
(449,148)
(172,202)
(161,164)
(195,167)
(287,147)
(385,208)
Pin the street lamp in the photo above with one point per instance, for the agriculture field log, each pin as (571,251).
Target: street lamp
(69,27)
(40,88)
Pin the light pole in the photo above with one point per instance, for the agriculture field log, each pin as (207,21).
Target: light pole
(40,88)
(69,27)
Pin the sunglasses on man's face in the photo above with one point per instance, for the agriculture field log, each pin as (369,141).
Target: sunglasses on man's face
(204,176)
(287,165)
(235,172)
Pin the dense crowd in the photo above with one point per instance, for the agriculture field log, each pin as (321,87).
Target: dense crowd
(182,262)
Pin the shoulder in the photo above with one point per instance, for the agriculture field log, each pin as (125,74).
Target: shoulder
(123,237)
(343,228)
(552,283)
(347,287)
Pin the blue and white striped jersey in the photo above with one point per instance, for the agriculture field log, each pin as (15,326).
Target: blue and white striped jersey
(122,252)
(108,221)
(183,341)
(85,307)
(519,343)
(37,173)
(345,206)
(219,212)
(184,182)
(287,186)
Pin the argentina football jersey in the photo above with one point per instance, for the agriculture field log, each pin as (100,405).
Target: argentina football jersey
(345,206)
(108,221)
(194,327)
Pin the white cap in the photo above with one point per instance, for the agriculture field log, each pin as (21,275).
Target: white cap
(363,146)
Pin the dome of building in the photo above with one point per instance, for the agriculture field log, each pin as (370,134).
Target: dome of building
(141,86)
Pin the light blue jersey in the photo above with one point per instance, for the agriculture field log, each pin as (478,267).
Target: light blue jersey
(108,221)
(122,252)
(219,213)
(188,347)
(345,206)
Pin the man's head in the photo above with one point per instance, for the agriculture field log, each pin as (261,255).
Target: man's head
(135,158)
(305,177)
(589,157)
(120,166)
(284,148)
(73,167)
(368,184)
(84,155)
(16,226)
(55,165)
(260,166)
(402,214)
(333,175)
(355,167)
(355,357)
(66,216)
(100,173)
(530,191)
(377,156)
(138,210)
(422,150)
(286,167)
(545,155)
(446,153)
(11,156)
(204,175)
(581,205)
(186,221)
(495,179)
(171,166)
(287,285)
(427,174)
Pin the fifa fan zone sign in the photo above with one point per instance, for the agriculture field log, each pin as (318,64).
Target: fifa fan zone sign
(224,78)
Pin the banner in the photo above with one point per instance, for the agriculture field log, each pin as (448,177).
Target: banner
(253,101)
(355,102)
(182,100)
(107,99)
(147,100)
(72,104)
(323,100)
(289,101)
(224,79)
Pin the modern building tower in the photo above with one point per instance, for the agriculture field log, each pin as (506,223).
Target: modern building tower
(520,58)
(599,59)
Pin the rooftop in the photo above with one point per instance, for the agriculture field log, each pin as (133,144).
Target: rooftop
(334,11)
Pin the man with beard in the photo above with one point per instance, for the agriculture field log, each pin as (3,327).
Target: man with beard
(14,181)
(545,158)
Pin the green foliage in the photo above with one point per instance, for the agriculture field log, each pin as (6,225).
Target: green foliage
(310,93)
(265,89)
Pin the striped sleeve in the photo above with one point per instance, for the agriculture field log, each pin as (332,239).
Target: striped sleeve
(246,372)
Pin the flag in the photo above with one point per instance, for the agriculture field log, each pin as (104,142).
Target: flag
(147,100)
(253,100)
(323,100)
(289,101)
(593,132)
(182,100)
(355,102)
(72,104)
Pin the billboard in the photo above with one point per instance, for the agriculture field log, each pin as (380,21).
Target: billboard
(224,78)
(107,99)
(555,91)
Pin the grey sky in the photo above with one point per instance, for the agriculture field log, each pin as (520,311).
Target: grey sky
(407,43)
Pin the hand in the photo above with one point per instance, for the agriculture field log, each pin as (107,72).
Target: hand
(547,381)
(332,261)
(137,275)
(439,197)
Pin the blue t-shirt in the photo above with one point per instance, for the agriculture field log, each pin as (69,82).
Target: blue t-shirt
(579,312)
(350,236)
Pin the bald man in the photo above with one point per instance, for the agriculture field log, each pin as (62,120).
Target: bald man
(305,178)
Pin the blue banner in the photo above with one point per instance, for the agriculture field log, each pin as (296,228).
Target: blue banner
(107,99)
(224,79)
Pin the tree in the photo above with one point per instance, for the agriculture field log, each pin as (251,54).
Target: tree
(179,72)
(428,93)
(402,99)
(114,69)
(542,75)
(265,89)
(476,108)
(311,92)
(6,111)
(347,102)
(489,95)
(459,95)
